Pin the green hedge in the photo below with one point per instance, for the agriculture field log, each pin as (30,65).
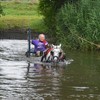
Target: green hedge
(78,25)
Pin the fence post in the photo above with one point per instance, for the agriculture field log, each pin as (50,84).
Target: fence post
(29,41)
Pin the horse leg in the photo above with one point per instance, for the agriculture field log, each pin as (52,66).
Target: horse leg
(48,60)
(63,58)
(42,58)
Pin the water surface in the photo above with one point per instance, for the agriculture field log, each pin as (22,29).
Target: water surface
(21,80)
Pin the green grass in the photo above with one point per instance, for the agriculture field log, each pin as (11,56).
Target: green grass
(12,8)
(21,15)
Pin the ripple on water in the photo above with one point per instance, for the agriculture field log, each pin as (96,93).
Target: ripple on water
(21,80)
(16,83)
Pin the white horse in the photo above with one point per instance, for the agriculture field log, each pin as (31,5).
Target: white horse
(53,54)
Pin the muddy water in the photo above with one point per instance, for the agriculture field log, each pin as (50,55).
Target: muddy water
(22,80)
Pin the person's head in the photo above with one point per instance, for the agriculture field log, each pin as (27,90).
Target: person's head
(41,37)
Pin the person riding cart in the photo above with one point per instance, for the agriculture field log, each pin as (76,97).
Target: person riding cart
(42,48)
(40,45)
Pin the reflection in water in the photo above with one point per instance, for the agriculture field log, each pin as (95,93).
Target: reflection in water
(45,79)
(22,80)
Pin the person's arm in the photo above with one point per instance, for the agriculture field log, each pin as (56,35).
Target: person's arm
(47,46)
(32,41)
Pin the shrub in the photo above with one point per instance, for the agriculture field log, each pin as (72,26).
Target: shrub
(78,25)
(1,9)
(49,8)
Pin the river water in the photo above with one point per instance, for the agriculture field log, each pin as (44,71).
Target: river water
(22,80)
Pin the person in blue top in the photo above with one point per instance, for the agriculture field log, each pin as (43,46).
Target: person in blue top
(40,44)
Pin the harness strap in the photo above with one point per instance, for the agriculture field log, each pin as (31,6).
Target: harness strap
(61,57)
(56,57)
(48,51)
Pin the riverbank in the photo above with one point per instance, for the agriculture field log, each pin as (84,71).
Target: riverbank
(21,34)
(22,22)
(16,33)
(21,15)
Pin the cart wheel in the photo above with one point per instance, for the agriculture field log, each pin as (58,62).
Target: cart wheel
(27,54)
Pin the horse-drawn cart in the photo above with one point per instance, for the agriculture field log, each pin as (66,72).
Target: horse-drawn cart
(55,55)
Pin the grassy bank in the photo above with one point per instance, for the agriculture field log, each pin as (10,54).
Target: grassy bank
(21,15)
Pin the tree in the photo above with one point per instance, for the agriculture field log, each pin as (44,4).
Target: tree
(49,9)
(77,25)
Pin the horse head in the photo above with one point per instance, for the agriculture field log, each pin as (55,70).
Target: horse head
(56,52)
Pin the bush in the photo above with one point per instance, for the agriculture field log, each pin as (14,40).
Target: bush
(78,25)
(49,8)
(1,10)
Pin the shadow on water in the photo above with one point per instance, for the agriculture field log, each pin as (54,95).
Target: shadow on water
(45,79)
(24,80)
(43,68)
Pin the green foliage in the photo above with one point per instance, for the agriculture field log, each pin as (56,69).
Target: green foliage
(78,22)
(21,15)
(48,9)
(34,22)
(74,23)
(1,9)
(12,8)
(38,25)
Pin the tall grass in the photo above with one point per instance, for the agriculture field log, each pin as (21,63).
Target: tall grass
(1,10)
(77,24)
(22,1)
(18,21)
(21,15)
(12,8)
